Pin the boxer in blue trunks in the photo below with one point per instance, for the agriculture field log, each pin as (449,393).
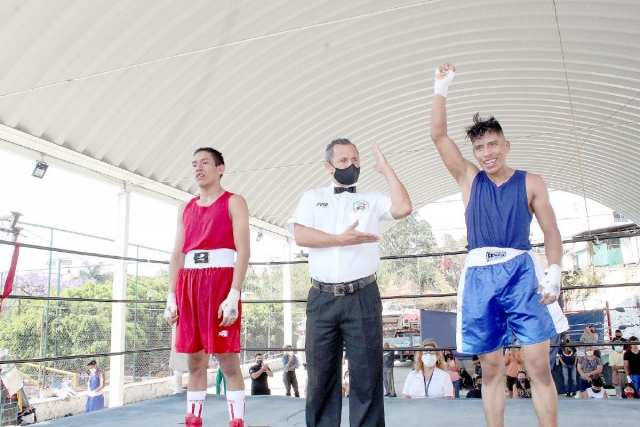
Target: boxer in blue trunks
(503,290)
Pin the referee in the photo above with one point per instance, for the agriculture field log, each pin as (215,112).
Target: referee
(339,225)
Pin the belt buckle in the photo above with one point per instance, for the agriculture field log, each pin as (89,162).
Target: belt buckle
(338,291)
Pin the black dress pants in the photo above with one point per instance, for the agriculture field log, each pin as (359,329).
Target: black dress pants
(354,320)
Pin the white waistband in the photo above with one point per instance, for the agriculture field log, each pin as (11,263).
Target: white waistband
(488,256)
(209,258)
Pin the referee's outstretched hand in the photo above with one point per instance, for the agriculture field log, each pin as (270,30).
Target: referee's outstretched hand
(351,236)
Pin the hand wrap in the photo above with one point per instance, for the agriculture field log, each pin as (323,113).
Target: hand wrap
(230,305)
(551,282)
(441,86)
(172,307)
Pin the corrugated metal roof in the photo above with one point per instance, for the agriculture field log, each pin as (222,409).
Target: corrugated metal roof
(139,85)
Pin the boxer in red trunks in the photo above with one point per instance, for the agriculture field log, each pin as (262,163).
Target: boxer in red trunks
(205,284)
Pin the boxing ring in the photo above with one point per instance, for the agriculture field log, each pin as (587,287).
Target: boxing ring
(263,410)
(274,411)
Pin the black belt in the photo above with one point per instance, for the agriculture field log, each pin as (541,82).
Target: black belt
(341,289)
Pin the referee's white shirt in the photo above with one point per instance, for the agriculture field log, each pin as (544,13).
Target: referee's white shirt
(334,213)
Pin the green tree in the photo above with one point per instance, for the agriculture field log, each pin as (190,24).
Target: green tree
(413,276)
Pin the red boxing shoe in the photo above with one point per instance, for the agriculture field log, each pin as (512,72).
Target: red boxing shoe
(236,422)
(192,421)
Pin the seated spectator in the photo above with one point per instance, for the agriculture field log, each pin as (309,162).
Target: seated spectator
(630,392)
(476,393)
(522,387)
(619,336)
(596,391)
(589,367)
(430,378)
(590,336)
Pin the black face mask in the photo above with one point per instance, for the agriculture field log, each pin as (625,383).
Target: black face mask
(347,176)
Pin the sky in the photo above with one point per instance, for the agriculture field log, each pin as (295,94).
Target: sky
(67,200)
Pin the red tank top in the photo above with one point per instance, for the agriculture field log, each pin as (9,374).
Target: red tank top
(208,227)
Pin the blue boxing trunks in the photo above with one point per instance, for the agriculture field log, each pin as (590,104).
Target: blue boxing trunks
(498,297)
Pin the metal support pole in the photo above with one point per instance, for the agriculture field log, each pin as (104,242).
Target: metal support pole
(287,315)
(608,321)
(118,311)
(46,309)
(135,317)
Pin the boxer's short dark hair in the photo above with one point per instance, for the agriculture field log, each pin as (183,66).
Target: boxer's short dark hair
(481,126)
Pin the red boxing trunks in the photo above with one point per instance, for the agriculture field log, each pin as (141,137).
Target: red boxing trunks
(200,289)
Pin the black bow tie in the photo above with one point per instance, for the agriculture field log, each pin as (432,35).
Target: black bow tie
(338,190)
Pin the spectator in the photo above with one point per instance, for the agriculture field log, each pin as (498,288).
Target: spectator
(616,361)
(388,357)
(453,369)
(221,383)
(589,367)
(589,336)
(475,360)
(346,387)
(630,392)
(522,386)
(429,379)
(568,361)
(596,391)
(476,393)
(619,336)
(632,363)
(289,365)
(95,398)
(513,359)
(259,374)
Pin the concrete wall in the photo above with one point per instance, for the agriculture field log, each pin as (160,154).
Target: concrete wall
(58,407)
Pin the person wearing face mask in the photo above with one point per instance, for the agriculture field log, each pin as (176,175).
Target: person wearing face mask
(589,367)
(522,386)
(632,363)
(616,361)
(339,225)
(289,365)
(596,391)
(260,374)
(429,379)
(629,392)
(95,386)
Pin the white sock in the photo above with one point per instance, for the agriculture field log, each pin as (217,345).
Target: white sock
(235,402)
(195,402)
